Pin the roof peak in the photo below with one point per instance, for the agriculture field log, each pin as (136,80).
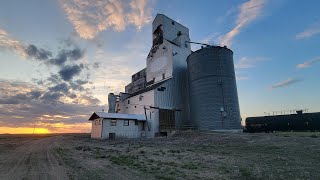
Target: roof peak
(160,14)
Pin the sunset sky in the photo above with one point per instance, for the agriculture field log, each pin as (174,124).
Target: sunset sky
(60,59)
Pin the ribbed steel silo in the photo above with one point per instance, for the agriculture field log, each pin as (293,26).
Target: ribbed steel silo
(212,88)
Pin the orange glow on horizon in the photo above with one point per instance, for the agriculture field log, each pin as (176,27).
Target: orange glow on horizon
(23,130)
(48,128)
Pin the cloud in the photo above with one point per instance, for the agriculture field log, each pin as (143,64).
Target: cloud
(75,54)
(63,88)
(310,31)
(140,15)
(7,42)
(285,83)
(11,100)
(53,79)
(209,39)
(249,11)
(246,62)
(52,90)
(89,99)
(223,18)
(52,97)
(68,72)
(68,54)
(308,63)
(78,85)
(96,65)
(115,75)
(65,55)
(17,92)
(22,104)
(40,54)
(33,52)
(9,87)
(59,95)
(21,97)
(57,88)
(26,51)
(91,17)
(35,94)
(57,119)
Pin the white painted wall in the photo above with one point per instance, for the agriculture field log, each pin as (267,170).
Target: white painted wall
(96,128)
(131,131)
(160,63)
(136,106)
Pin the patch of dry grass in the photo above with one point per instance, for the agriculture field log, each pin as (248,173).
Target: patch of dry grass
(198,155)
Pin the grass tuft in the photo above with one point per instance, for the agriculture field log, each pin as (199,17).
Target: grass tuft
(245,172)
(123,160)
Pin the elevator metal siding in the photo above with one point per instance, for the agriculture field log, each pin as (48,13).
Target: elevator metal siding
(164,99)
(213,86)
(180,82)
(170,27)
(167,99)
(175,96)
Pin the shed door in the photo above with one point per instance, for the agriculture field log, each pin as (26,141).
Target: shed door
(167,119)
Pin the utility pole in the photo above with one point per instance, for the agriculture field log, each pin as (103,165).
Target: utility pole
(34,127)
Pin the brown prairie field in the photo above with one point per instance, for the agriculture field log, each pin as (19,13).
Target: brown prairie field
(187,155)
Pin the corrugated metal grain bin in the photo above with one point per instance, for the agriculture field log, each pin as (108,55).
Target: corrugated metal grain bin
(213,91)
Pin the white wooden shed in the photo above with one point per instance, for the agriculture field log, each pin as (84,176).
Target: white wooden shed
(112,125)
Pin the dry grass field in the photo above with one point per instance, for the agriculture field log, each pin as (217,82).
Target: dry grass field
(187,155)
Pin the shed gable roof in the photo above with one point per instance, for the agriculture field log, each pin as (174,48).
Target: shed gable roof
(97,115)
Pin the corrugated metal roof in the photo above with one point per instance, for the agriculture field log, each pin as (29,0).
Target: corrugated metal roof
(96,115)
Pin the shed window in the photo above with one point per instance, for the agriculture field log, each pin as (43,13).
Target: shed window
(136,122)
(99,121)
(126,122)
(129,101)
(113,122)
(95,122)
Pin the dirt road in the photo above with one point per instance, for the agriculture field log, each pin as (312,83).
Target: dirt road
(33,158)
